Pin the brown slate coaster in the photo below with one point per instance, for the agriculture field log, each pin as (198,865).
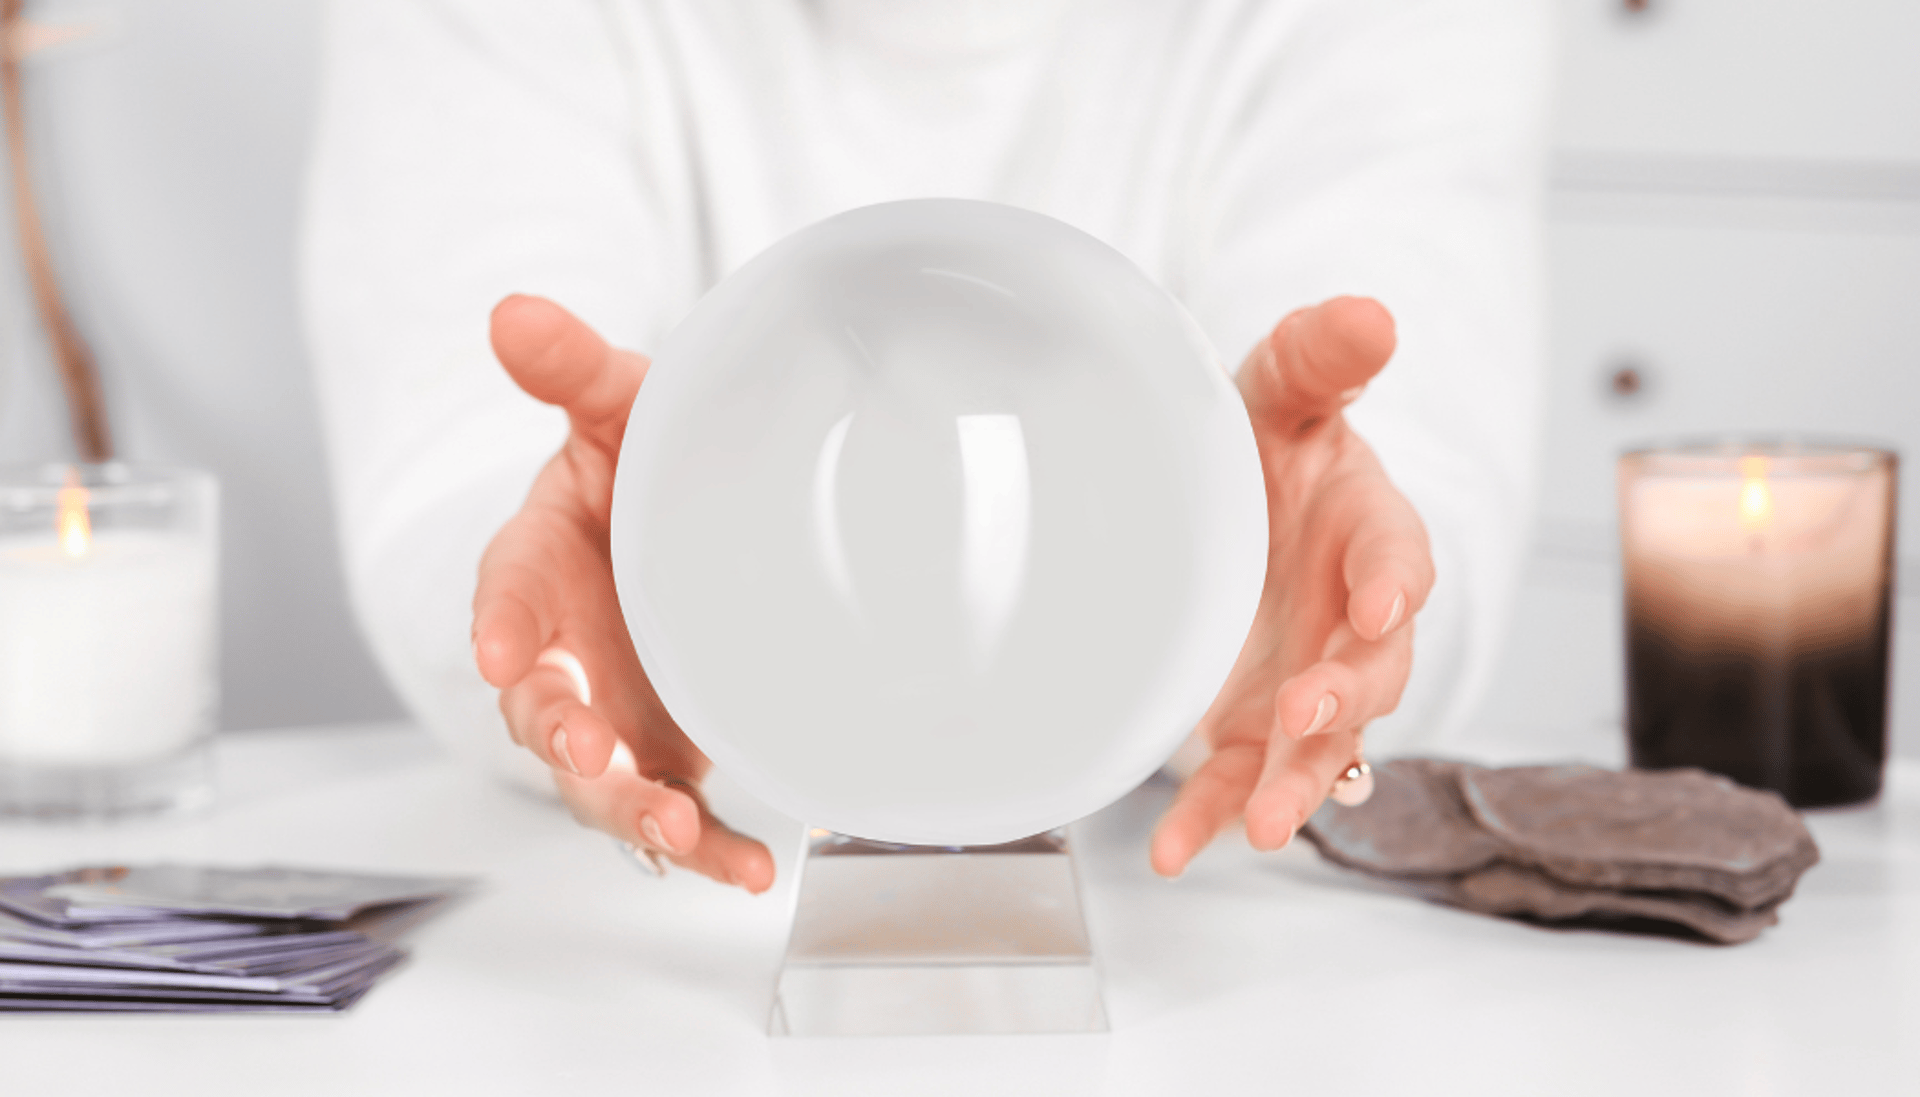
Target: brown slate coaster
(1509,889)
(1414,824)
(1644,831)
(1576,845)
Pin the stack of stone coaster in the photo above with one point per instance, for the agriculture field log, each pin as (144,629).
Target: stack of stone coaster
(1576,844)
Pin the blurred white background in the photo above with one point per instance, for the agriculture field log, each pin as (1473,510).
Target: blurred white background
(1735,247)
(168,150)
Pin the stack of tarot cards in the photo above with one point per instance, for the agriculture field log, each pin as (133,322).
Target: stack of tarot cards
(181,939)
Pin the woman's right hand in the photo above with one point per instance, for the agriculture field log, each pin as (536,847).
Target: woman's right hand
(547,627)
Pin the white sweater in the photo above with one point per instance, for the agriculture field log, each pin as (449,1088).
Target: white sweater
(621,156)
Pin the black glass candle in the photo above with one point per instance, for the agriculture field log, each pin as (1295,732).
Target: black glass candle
(1758,603)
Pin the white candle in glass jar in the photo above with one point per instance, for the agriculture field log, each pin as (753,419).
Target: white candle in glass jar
(106,653)
(1733,561)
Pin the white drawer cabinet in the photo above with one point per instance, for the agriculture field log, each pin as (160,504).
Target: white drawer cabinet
(1730,327)
(1733,324)
(1736,219)
(1742,78)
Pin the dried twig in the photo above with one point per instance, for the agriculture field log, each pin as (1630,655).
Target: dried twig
(77,372)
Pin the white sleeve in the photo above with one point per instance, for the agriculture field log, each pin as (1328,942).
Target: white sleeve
(1395,149)
(465,150)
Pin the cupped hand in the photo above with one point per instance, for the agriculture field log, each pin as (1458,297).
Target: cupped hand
(547,627)
(1347,568)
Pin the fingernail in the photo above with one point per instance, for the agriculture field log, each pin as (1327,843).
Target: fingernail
(1322,716)
(560,749)
(1352,394)
(646,859)
(1393,613)
(650,830)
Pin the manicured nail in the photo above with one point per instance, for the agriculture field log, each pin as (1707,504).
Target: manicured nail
(1393,613)
(650,830)
(1322,716)
(1351,395)
(560,749)
(647,859)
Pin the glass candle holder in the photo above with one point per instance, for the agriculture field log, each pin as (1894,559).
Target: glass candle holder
(1758,608)
(108,639)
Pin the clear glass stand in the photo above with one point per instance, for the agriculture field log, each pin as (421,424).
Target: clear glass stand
(925,940)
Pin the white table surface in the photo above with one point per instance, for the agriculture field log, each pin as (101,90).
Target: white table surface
(572,972)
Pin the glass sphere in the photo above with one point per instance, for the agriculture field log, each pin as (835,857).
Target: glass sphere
(938,523)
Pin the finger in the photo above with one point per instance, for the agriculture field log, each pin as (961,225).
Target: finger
(1316,361)
(633,809)
(1295,778)
(558,359)
(1206,802)
(546,714)
(1357,681)
(1388,566)
(726,855)
(517,600)
(569,664)
(656,816)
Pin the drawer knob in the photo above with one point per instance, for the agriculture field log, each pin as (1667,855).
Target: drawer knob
(1626,380)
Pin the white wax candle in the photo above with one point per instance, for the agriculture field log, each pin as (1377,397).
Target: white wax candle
(106,657)
(1729,560)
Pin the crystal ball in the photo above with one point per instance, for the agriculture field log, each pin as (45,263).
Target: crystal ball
(938,523)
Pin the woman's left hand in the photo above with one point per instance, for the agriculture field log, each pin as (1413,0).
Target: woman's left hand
(1347,568)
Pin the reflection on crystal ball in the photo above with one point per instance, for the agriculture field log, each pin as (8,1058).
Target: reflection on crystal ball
(938,522)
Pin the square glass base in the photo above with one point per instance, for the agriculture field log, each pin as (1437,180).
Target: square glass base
(928,940)
(178,783)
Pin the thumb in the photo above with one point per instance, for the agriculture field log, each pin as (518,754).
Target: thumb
(1315,361)
(558,359)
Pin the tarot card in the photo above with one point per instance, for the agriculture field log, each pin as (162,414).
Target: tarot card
(262,892)
(15,976)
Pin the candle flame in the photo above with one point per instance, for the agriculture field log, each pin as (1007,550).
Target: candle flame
(71,520)
(1756,499)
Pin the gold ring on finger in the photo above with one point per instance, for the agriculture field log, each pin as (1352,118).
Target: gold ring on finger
(1354,785)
